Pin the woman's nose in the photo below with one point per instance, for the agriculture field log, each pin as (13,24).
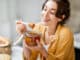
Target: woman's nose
(46,15)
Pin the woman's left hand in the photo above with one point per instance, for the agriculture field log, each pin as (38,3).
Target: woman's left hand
(39,48)
(26,51)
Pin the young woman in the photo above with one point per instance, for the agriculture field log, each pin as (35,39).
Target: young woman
(57,40)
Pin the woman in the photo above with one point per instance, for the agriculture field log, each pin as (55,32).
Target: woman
(57,40)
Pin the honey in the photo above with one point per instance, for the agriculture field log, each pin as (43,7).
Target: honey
(31,37)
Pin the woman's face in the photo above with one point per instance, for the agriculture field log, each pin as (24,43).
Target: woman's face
(48,13)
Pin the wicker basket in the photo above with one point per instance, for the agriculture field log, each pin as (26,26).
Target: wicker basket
(5,46)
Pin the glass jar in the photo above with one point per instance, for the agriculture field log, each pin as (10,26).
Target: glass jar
(31,37)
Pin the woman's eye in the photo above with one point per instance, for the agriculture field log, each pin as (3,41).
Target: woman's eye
(53,13)
(45,9)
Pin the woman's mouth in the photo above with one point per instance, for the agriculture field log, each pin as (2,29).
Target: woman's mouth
(46,20)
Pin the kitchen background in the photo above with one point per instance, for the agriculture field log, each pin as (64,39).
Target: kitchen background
(29,11)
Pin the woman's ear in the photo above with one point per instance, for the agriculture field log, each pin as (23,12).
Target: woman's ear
(63,16)
(60,19)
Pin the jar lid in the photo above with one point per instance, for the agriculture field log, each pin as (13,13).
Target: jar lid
(4,42)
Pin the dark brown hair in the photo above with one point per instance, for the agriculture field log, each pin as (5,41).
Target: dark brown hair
(63,9)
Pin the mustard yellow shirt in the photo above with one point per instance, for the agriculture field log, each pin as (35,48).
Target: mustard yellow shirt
(61,47)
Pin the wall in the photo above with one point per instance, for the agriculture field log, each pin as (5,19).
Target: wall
(74,22)
(29,11)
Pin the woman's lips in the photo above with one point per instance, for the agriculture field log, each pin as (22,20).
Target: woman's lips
(46,20)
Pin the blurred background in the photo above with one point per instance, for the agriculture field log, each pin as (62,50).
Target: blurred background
(29,11)
(12,10)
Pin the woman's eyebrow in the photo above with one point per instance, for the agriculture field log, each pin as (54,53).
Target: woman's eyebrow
(53,9)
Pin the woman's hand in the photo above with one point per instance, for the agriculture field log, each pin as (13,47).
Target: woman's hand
(20,27)
(39,48)
(26,51)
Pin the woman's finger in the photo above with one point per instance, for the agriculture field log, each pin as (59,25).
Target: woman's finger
(19,22)
(21,28)
(24,44)
(38,42)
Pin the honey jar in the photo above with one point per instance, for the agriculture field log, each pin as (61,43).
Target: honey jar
(31,37)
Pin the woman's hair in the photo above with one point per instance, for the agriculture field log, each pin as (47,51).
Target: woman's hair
(63,9)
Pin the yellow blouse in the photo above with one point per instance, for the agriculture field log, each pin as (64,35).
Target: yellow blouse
(61,47)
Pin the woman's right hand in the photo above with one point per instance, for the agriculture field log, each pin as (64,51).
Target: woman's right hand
(20,27)
(26,51)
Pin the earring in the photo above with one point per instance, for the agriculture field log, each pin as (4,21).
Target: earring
(60,20)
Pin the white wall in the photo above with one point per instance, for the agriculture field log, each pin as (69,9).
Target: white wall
(4,21)
(7,17)
(10,10)
(29,11)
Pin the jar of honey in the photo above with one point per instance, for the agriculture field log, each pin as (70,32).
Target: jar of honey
(31,37)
